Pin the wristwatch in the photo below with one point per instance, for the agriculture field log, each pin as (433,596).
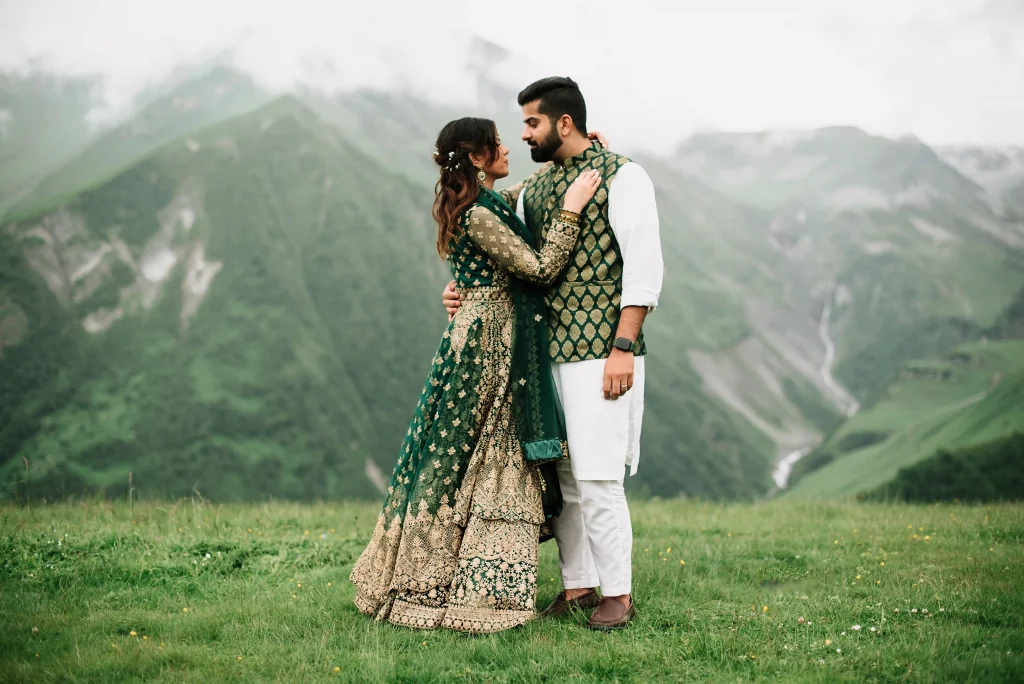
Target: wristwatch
(624,344)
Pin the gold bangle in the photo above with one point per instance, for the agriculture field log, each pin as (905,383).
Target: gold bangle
(569,216)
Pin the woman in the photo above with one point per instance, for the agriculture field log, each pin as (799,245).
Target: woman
(456,543)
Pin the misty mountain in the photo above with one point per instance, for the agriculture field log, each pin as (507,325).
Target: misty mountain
(44,122)
(1000,171)
(215,96)
(216,318)
(239,294)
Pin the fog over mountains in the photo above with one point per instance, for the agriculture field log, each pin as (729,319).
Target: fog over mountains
(231,287)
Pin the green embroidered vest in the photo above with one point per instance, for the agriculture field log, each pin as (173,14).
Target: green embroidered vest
(583,304)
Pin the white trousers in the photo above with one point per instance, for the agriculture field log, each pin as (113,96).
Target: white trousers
(604,435)
(594,534)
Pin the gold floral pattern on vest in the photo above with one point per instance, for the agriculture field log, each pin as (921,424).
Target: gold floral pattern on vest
(583,304)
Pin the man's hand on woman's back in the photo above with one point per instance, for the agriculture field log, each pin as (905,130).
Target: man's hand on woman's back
(451,300)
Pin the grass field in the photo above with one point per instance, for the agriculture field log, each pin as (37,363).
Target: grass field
(786,591)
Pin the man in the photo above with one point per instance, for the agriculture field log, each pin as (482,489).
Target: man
(596,311)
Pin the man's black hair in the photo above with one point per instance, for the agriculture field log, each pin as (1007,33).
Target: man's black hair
(558,95)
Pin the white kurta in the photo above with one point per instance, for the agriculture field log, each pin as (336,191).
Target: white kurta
(603,434)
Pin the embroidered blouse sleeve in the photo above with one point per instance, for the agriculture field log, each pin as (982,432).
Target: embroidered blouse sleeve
(511,253)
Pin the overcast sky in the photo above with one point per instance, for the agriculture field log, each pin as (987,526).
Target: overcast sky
(948,71)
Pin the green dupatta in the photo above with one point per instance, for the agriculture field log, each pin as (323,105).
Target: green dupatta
(536,409)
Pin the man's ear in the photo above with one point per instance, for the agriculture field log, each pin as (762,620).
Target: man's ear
(565,125)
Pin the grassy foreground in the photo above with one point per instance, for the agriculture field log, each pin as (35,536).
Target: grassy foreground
(788,590)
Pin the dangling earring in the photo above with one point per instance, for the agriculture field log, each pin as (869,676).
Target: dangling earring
(481,176)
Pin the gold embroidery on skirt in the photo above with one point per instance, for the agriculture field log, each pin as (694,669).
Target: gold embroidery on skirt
(469,562)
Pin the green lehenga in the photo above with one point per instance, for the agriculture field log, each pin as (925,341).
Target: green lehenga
(456,543)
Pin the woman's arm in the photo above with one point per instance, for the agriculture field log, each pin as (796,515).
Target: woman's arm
(511,253)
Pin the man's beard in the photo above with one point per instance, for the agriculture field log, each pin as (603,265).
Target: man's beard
(545,150)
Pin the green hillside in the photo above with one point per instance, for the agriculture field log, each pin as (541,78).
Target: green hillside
(263,302)
(242,297)
(243,340)
(216,96)
(972,395)
(990,471)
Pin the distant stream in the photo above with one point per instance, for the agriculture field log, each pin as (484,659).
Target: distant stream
(850,405)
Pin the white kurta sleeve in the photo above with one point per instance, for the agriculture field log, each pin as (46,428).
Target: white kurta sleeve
(633,213)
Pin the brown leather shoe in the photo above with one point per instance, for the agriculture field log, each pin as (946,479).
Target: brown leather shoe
(561,605)
(611,614)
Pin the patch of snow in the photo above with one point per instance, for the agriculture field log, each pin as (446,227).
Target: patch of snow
(878,247)
(857,197)
(938,235)
(98,321)
(90,262)
(194,286)
(157,264)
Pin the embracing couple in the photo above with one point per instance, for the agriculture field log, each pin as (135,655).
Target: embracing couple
(532,409)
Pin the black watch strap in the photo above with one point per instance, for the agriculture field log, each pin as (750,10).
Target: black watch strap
(625,344)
